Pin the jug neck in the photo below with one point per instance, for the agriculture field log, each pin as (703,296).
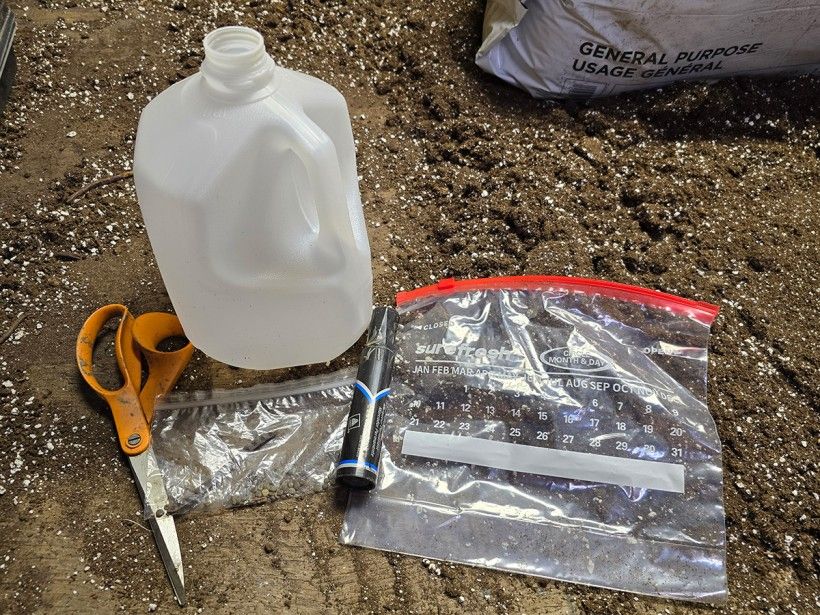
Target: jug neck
(236,66)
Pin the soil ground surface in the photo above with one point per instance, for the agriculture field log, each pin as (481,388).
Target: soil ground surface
(707,191)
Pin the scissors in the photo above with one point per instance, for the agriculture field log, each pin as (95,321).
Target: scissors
(132,406)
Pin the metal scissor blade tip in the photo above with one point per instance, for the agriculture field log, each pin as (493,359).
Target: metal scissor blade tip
(153,495)
(165,535)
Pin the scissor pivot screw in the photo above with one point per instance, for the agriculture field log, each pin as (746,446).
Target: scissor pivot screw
(134,440)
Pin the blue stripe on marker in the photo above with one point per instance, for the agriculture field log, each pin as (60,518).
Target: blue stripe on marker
(364,391)
(346,463)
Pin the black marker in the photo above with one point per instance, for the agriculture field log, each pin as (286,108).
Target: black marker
(358,465)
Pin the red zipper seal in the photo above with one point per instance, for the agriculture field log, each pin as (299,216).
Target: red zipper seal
(700,310)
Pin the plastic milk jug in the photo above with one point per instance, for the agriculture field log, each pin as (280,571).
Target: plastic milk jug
(246,177)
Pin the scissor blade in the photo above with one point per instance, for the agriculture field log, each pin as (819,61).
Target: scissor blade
(165,535)
(152,492)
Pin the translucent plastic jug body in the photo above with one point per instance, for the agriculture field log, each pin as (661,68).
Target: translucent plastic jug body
(246,177)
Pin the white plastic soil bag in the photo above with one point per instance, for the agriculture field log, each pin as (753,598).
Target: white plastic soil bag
(566,48)
(555,427)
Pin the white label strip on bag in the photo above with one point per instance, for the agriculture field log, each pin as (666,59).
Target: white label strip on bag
(546,461)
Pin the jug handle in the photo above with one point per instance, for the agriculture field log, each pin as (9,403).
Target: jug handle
(316,151)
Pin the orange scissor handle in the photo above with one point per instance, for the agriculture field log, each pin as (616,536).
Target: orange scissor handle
(132,427)
(132,405)
(164,368)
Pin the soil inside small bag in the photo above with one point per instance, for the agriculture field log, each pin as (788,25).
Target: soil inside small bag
(240,447)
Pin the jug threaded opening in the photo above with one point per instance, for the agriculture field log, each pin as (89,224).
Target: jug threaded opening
(234,46)
(236,62)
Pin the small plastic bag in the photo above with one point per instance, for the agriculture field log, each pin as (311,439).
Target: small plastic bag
(556,427)
(228,448)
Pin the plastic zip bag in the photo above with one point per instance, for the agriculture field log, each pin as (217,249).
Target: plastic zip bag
(228,448)
(556,427)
